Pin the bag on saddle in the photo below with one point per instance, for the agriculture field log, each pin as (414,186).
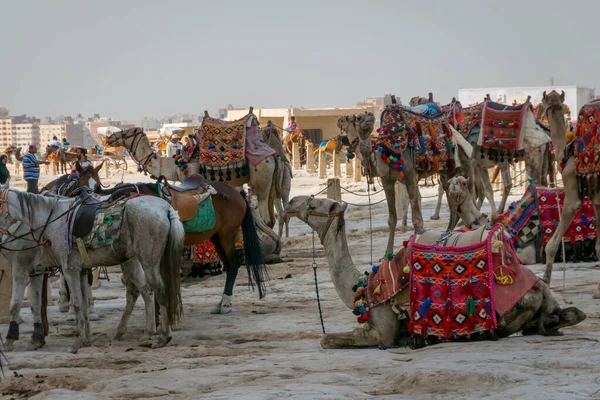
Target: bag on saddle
(205,218)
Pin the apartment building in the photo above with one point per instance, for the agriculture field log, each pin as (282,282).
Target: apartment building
(6,132)
(47,131)
(25,134)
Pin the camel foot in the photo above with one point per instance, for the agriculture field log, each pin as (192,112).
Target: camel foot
(435,217)
(118,336)
(9,345)
(403,229)
(161,342)
(35,344)
(596,295)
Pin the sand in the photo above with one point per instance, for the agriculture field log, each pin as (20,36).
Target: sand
(269,349)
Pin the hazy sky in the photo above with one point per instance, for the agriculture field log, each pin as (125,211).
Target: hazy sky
(130,58)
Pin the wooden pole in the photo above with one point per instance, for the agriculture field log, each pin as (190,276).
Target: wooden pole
(334,189)
(349,168)
(337,167)
(357,170)
(310,158)
(296,164)
(322,164)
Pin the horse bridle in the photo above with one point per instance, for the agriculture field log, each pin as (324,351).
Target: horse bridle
(137,138)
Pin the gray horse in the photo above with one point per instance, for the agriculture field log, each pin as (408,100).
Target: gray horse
(157,248)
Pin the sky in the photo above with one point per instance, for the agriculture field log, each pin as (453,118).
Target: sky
(128,58)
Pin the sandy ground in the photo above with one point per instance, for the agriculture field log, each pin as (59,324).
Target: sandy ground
(269,349)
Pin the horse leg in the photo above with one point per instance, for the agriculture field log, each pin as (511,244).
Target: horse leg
(64,300)
(85,292)
(390,197)
(73,278)
(19,281)
(225,248)
(507,184)
(37,337)
(438,206)
(135,281)
(94,315)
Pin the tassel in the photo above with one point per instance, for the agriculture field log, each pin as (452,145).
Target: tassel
(421,139)
(436,166)
(377,290)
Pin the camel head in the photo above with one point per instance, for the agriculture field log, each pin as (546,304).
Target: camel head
(461,201)
(317,213)
(553,101)
(357,126)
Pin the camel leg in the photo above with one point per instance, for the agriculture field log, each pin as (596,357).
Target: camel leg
(20,279)
(357,338)
(507,184)
(390,196)
(37,337)
(261,179)
(411,181)
(488,190)
(454,217)
(522,313)
(438,206)
(571,205)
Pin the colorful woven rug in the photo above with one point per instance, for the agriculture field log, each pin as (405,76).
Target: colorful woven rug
(222,149)
(521,220)
(501,127)
(256,148)
(583,226)
(587,149)
(378,286)
(204,253)
(451,289)
(430,136)
(471,118)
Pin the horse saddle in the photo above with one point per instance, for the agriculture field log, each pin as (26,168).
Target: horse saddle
(193,182)
(186,196)
(86,214)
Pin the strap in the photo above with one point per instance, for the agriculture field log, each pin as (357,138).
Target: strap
(84,254)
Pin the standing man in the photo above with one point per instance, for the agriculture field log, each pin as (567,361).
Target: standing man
(31,169)
(173,145)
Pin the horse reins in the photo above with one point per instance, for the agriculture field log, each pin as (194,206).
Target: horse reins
(137,135)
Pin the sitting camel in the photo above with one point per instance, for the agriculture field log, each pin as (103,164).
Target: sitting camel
(536,311)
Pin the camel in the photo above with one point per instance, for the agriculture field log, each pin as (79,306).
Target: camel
(18,158)
(536,156)
(574,191)
(272,137)
(536,311)
(358,129)
(265,178)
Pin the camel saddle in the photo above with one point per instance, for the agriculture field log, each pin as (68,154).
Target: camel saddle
(186,197)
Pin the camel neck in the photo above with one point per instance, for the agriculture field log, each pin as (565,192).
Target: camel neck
(556,120)
(342,270)
(468,212)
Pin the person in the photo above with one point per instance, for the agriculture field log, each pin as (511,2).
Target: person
(31,169)
(4,174)
(292,126)
(55,142)
(173,145)
(65,143)
(82,160)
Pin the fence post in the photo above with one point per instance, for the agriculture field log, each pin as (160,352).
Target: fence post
(334,189)
(322,164)
(357,171)
(349,168)
(310,159)
(337,167)
(296,164)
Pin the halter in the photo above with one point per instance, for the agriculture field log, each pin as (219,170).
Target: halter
(136,137)
(330,216)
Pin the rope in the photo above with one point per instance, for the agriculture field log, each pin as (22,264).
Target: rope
(360,194)
(370,220)
(314,265)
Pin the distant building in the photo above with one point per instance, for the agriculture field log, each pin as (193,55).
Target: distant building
(3,112)
(376,102)
(6,132)
(317,124)
(26,134)
(47,131)
(150,124)
(575,96)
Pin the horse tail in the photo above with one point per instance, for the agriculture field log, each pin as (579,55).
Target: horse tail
(169,268)
(257,271)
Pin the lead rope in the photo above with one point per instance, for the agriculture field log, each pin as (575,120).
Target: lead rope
(370,217)
(314,265)
(562,242)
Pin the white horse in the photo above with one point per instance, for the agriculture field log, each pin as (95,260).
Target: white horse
(157,248)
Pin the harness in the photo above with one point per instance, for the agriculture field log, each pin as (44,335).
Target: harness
(136,136)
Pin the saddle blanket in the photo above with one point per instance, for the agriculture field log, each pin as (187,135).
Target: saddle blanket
(586,149)
(106,227)
(451,289)
(502,129)
(256,148)
(521,220)
(583,225)
(222,148)
(205,252)
(204,220)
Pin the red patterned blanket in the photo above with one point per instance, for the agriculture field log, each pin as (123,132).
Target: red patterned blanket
(501,127)
(587,149)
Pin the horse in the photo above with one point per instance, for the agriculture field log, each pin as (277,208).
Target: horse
(159,254)
(231,211)
(60,157)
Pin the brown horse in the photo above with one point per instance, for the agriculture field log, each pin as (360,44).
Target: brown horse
(232,211)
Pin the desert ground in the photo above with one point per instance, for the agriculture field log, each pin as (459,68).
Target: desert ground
(269,349)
